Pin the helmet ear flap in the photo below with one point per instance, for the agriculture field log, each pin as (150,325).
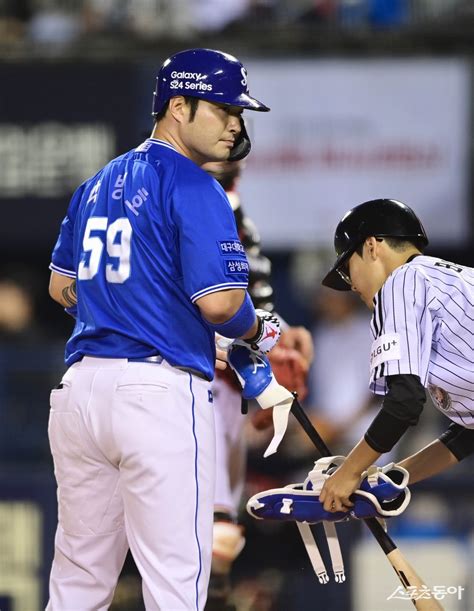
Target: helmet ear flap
(242,145)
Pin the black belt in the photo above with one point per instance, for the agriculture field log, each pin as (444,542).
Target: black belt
(156,359)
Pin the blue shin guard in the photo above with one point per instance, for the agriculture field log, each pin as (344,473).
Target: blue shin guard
(382,493)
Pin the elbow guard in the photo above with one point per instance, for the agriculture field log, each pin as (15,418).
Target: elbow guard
(401,409)
(405,398)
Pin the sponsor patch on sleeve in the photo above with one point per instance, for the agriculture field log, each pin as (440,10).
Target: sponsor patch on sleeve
(231,247)
(385,348)
(236,266)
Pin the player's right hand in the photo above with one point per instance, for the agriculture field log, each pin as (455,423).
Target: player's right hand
(267,335)
(222,349)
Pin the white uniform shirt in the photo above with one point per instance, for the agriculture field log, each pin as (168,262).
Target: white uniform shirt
(423,324)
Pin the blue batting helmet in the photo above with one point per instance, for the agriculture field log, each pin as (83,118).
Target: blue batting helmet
(205,74)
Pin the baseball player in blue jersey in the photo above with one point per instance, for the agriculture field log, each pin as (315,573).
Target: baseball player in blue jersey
(422,325)
(149,262)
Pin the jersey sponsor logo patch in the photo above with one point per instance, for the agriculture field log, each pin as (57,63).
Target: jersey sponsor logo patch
(236,266)
(231,247)
(385,348)
(440,397)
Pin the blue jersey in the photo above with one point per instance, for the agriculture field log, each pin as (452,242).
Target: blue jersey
(145,238)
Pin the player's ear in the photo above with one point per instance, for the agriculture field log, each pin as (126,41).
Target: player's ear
(178,108)
(372,247)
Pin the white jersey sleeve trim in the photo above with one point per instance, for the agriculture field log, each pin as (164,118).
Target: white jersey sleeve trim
(218,287)
(62,271)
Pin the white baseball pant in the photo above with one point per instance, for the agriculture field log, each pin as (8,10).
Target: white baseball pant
(134,457)
(230,446)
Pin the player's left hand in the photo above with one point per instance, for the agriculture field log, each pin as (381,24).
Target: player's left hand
(268,333)
(338,488)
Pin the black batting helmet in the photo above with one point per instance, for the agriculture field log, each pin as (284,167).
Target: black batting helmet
(379,218)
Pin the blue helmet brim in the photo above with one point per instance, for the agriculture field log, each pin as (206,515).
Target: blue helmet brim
(249,103)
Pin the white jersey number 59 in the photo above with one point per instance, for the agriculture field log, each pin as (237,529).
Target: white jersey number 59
(117,241)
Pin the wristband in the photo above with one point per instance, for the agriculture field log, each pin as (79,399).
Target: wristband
(257,335)
(240,322)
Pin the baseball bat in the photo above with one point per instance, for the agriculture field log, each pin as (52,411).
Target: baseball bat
(409,578)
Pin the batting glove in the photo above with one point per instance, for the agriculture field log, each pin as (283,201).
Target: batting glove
(268,332)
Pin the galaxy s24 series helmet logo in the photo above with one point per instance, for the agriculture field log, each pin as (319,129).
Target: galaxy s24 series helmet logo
(189,81)
(189,76)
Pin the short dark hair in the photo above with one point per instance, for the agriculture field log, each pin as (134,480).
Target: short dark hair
(193,103)
(398,244)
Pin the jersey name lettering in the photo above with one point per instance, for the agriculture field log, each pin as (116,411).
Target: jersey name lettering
(138,200)
(447,265)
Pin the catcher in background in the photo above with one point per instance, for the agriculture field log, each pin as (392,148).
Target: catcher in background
(290,362)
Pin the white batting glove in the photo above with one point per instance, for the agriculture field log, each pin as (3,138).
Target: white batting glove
(268,333)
